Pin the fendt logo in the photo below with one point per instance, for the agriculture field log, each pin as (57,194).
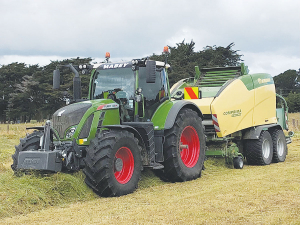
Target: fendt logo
(31,161)
(114,66)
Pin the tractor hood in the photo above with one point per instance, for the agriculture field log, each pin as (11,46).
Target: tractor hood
(71,115)
(68,116)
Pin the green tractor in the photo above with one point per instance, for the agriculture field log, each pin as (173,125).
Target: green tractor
(129,122)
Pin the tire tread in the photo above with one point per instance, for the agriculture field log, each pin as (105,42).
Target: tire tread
(253,150)
(172,168)
(31,141)
(98,168)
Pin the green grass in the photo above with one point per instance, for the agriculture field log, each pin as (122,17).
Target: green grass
(253,195)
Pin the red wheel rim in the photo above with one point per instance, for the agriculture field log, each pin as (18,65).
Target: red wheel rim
(189,146)
(124,174)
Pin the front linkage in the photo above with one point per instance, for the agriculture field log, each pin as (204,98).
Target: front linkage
(38,151)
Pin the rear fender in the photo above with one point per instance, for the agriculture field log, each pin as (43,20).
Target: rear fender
(170,120)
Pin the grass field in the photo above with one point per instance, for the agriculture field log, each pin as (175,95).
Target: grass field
(253,195)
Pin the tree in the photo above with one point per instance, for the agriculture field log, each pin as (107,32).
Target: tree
(219,56)
(31,94)
(183,59)
(22,103)
(9,76)
(286,82)
(50,99)
(55,99)
(293,101)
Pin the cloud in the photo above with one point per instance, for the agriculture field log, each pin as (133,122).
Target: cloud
(132,29)
(29,60)
(268,62)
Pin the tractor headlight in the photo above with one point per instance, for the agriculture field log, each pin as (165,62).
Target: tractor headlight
(134,62)
(70,132)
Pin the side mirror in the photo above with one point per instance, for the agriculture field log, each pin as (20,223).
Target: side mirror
(150,71)
(56,79)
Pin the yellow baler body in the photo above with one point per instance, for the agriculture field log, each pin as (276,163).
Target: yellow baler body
(233,108)
(247,101)
(203,104)
(265,105)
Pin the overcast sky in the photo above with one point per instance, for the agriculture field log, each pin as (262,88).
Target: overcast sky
(267,32)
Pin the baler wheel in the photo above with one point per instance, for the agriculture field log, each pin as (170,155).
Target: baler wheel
(30,142)
(259,152)
(279,146)
(238,162)
(184,147)
(113,163)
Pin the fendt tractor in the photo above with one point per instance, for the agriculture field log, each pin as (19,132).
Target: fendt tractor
(133,119)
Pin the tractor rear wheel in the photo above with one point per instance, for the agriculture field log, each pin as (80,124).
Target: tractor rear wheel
(279,146)
(184,147)
(259,152)
(30,142)
(113,163)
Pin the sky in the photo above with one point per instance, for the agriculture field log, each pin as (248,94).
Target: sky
(267,32)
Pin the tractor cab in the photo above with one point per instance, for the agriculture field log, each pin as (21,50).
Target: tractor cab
(137,88)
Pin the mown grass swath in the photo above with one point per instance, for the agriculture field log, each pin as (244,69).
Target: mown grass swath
(27,193)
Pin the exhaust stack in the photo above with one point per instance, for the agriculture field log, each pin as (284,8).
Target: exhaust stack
(76,81)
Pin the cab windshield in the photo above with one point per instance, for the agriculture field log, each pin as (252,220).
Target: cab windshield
(111,81)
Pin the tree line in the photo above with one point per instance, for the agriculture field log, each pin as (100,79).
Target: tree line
(288,85)
(26,90)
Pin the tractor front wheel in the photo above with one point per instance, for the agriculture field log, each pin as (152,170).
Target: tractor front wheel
(184,147)
(30,142)
(113,163)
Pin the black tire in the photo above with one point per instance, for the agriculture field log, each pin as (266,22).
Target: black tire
(113,163)
(181,163)
(238,162)
(30,142)
(279,146)
(259,152)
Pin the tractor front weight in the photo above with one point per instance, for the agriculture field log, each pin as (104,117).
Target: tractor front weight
(50,156)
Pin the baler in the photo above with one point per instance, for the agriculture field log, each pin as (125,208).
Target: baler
(239,109)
